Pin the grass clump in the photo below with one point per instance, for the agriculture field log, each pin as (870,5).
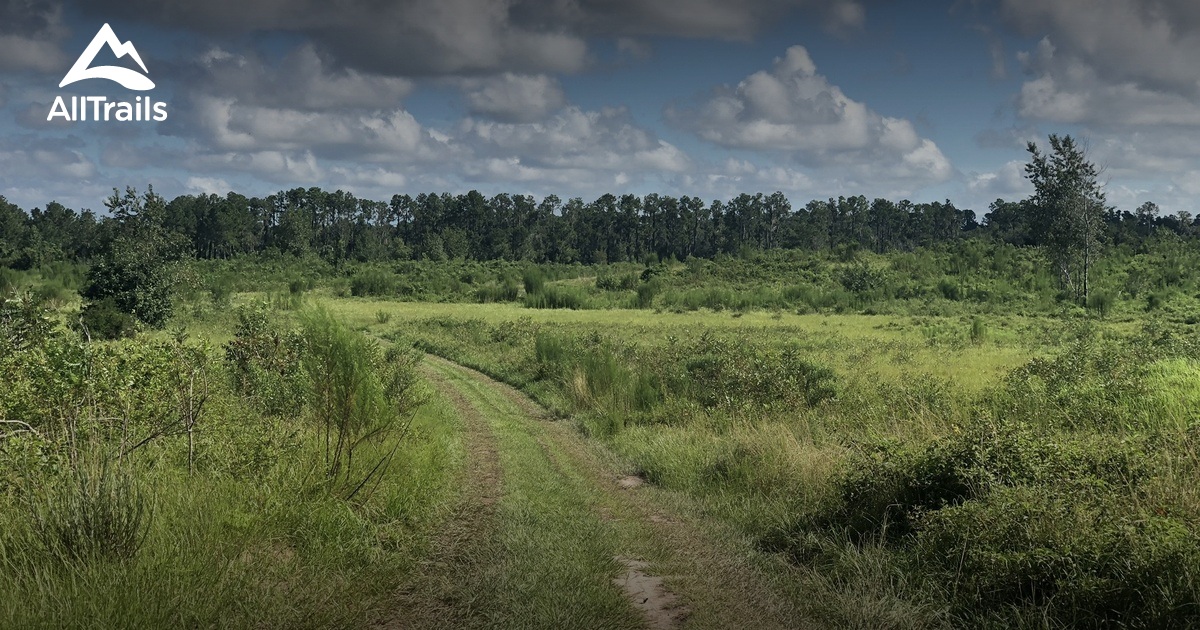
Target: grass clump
(96,512)
(556,296)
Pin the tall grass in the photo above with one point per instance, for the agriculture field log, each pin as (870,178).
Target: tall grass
(937,500)
(110,516)
(557,296)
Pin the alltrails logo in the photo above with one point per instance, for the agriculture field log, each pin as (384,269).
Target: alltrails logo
(141,109)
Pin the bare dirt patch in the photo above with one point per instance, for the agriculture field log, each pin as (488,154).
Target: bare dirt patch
(648,594)
(629,482)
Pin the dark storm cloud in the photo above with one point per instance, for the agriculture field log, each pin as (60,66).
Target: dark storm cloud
(439,37)
(301,80)
(30,31)
(26,17)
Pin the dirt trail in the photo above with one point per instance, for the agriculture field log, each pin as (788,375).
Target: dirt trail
(439,597)
(540,499)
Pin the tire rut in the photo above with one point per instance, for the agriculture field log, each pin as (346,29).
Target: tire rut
(684,586)
(439,597)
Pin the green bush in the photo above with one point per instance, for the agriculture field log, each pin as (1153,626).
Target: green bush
(1100,302)
(221,291)
(884,490)
(550,351)
(718,372)
(10,281)
(1078,553)
(104,320)
(372,282)
(646,293)
(264,363)
(357,396)
(978,330)
(1092,384)
(612,282)
(533,279)
(506,292)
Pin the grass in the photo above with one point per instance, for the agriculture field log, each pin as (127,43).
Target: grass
(894,347)
(827,461)
(253,538)
(910,394)
(551,547)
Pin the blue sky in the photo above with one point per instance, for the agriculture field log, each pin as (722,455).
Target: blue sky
(816,98)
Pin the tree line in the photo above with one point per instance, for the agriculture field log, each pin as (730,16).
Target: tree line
(340,227)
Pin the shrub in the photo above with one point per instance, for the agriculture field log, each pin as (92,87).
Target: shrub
(611,282)
(534,280)
(715,372)
(221,291)
(264,363)
(104,320)
(355,396)
(862,278)
(646,293)
(1091,384)
(506,292)
(10,281)
(550,351)
(978,330)
(1101,303)
(949,289)
(1084,556)
(372,282)
(885,490)
(298,286)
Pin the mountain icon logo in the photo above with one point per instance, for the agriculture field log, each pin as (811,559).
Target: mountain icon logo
(130,79)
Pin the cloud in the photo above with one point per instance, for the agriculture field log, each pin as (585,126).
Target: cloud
(1007,182)
(226,124)
(302,80)
(1067,89)
(605,140)
(463,37)
(695,18)
(632,48)
(520,128)
(1109,62)
(30,34)
(285,168)
(27,157)
(416,37)
(793,109)
(1152,44)
(514,98)
(207,185)
(1124,72)
(1014,137)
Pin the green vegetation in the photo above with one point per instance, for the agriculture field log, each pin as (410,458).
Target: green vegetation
(1059,489)
(153,482)
(886,414)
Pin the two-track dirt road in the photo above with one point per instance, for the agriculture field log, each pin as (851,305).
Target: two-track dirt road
(548,532)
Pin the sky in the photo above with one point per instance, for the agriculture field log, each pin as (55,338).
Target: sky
(924,101)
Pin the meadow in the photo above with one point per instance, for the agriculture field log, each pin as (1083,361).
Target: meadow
(1023,481)
(935,438)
